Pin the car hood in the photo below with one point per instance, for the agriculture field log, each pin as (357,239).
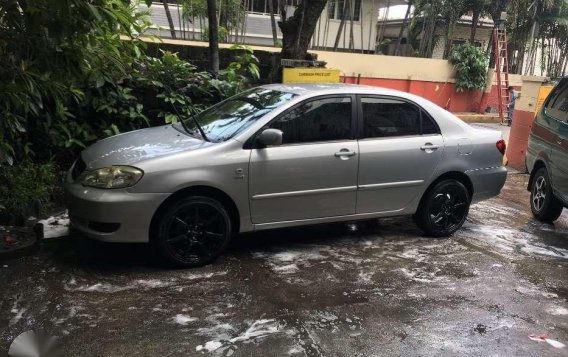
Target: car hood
(135,146)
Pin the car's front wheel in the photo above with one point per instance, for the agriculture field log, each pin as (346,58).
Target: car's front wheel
(544,206)
(443,209)
(193,231)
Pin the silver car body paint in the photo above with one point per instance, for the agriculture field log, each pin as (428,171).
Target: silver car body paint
(287,185)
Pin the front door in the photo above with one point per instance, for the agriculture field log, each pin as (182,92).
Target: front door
(400,148)
(313,174)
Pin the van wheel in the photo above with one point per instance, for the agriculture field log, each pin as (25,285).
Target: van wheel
(544,206)
(193,231)
(443,209)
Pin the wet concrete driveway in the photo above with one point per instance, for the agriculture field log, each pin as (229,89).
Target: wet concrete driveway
(371,289)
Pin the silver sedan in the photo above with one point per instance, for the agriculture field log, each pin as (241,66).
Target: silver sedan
(280,156)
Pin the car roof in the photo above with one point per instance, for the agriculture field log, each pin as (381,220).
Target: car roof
(331,88)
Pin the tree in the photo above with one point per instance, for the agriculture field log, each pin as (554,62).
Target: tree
(429,11)
(341,24)
(478,8)
(213,37)
(170,19)
(497,7)
(451,12)
(401,32)
(273,22)
(297,30)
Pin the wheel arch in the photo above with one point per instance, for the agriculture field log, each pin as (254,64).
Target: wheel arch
(539,163)
(200,190)
(455,175)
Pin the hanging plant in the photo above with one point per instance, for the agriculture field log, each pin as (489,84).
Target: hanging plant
(471,64)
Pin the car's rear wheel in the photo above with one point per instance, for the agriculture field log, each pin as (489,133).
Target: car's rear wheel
(193,231)
(544,206)
(443,209)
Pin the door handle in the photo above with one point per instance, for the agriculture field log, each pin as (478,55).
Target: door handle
(343,154)
(429,147)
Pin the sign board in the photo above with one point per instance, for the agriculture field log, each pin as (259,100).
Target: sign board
(543,92)
(310,75)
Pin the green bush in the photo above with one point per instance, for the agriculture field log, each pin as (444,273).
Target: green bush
(26,189)
(471,66)
(78,81)
(76,71)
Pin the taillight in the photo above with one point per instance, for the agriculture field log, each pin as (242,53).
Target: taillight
(501,146)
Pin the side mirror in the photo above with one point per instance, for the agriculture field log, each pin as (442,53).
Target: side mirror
(270,137)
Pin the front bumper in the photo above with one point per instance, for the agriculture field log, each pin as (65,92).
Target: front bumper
(112,215)
(487,182)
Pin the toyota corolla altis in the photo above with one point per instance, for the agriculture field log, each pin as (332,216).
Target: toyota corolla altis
(280,156)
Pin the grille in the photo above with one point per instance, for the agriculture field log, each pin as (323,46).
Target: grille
(78,168)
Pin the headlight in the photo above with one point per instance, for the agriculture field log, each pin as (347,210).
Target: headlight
(112,177)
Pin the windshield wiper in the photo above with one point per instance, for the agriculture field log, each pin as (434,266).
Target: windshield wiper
(198,128)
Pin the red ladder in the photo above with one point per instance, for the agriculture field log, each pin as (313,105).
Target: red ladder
(502,68)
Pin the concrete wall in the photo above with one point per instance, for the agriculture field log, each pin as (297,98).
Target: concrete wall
(523,117)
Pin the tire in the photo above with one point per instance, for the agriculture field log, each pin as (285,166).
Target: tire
(192,231)
(443,209)
(544,206)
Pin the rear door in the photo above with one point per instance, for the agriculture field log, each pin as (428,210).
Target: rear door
(557,109)
(313,174)
(400,147)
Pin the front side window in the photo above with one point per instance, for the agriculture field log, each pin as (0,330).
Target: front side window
(226,119)
(557,105)
(326,119)
(387,117)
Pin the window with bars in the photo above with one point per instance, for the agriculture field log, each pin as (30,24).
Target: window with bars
(352,9)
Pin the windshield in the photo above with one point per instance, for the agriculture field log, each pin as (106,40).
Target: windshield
(226,119)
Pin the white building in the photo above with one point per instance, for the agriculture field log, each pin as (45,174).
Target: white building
(358,33)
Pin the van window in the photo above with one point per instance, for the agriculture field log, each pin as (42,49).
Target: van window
(557,104)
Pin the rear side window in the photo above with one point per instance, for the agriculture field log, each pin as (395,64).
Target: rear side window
(390,118)
(326,119)
(429,127)
(557,104)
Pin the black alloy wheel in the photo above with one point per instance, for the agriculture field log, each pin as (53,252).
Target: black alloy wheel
(443,209)
(193,231)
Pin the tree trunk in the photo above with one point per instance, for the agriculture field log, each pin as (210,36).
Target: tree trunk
(273,22)
(341,25)
(381,32)
(298,29)
(351,34)
(373,12)
(500,5)
(170,20)
(213,37)
(181,24)
(474,24)
(401,32)
(450,38)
